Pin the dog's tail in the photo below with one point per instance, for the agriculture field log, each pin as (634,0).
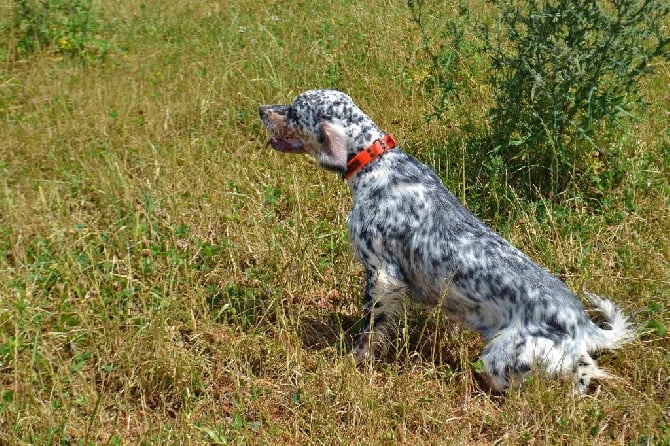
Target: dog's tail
(620,330)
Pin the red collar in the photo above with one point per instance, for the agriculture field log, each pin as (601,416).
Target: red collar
(362,158)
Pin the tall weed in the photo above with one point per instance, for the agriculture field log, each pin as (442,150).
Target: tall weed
(564,79)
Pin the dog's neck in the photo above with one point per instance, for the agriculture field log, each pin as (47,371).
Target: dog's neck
(360,130)
(363,136)
(378,148)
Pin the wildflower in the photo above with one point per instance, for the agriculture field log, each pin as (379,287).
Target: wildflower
(64,43)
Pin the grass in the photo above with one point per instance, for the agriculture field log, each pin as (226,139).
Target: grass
(165,279)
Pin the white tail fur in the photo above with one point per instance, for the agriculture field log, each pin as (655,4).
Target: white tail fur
(621,329)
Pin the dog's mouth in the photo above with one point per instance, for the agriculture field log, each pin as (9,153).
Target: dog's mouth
(285,145)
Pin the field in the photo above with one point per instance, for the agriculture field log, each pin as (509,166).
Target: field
(165,278)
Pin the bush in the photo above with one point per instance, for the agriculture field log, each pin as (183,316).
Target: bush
(63,26)
(564,76)
(565,72)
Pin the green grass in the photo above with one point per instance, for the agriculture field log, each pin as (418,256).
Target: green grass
(165,279)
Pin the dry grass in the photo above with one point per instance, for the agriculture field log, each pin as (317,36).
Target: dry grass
(166,279)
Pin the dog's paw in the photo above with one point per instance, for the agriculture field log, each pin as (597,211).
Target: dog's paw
(361,351)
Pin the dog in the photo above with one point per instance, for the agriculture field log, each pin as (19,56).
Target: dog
(416,240)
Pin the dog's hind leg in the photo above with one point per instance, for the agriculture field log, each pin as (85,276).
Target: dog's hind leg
(585,370)
(505,357)
(498,360)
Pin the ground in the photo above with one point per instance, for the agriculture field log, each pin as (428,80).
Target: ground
(165,278)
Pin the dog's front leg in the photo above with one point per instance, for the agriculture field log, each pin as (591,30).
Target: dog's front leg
(383,291)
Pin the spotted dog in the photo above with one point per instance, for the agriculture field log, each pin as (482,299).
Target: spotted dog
(416,240)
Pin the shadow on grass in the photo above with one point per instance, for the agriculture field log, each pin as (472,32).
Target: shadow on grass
(421,337)
(331,330)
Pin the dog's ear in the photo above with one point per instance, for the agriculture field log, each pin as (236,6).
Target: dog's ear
(333,151)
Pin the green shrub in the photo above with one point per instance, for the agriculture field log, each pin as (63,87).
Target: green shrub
(564,76)
(565,72)
(63,26)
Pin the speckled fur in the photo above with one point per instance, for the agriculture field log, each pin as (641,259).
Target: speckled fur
(416,240)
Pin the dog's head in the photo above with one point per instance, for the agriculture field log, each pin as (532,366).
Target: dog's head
(323,123)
